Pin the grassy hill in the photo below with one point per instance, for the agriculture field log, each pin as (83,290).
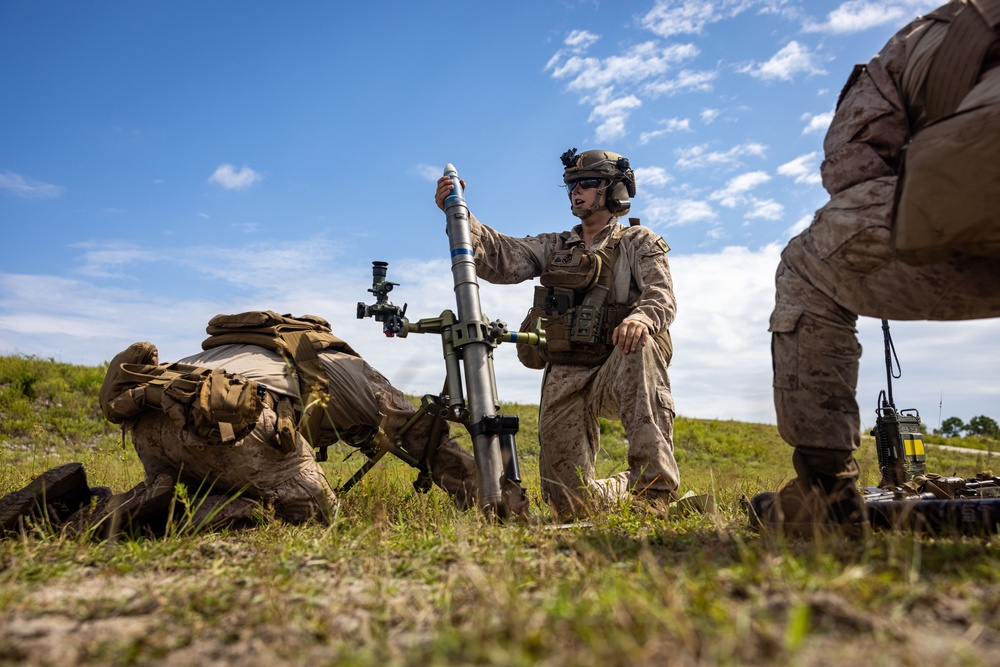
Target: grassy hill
(404,579)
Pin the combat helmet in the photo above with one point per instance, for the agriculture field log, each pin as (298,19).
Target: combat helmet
(611,168)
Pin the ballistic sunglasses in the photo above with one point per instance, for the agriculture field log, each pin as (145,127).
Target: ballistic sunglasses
(584,183)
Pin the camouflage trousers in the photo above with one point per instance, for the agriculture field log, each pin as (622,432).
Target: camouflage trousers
(634,388)
(841,267)
(256,467)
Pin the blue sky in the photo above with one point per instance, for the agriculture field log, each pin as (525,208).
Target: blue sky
(164,162)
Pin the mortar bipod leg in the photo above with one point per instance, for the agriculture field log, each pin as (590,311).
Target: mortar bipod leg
(384,445)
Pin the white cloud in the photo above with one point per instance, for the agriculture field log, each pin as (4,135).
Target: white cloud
(612,116)
(651,177)
(858,15)
(270,260)
(674,211)
(580,40)
(766,209)
(229,178)
(27,188)
(722,358)
(638,63)
(734,193)
(429,172)
(803,169)
(791,60)
(610,84)
(686,81)
(708,116)
(670,126)
(817,122)
(697,157)
(678,17)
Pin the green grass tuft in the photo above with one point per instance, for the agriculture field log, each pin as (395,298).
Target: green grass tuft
(405,579)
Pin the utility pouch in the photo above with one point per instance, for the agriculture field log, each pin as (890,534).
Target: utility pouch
(557,330)
(286,424)
(947,202)
(665,343)
(534,322)
(589,316)
(226,407)
(219,407)
(574,268)
(117,404)
(559,300)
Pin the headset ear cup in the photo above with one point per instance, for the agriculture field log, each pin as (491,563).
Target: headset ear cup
(618,199)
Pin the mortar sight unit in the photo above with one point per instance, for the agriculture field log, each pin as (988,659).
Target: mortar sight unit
(383,310)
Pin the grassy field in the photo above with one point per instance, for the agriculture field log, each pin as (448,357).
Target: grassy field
(404,579)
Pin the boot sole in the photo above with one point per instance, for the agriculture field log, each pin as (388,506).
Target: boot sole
(65,484)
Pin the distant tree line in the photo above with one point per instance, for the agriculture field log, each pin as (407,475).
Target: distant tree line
(981,426)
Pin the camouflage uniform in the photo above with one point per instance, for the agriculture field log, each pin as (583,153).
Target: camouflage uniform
(844,264)
(632,387)
(294,482)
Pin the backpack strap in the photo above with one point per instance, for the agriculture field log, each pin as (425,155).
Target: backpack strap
(314,384)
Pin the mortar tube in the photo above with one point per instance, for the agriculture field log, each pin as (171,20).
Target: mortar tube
(476,356)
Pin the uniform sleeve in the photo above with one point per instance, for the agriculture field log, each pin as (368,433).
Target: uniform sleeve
(506,260)
(870,126)
(656,305)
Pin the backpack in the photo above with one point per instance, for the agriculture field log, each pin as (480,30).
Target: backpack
(299,340)
(948,192)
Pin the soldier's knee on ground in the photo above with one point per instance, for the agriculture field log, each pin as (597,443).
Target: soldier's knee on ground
(306,497)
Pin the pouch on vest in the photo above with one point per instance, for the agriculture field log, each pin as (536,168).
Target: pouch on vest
(948,192)
(117,404)
(219,407)
(534,322)
(226,408)
(574,268)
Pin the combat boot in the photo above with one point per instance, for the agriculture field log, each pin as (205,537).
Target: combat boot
(54,494)
(145,507)
(653,503)
(823,497)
